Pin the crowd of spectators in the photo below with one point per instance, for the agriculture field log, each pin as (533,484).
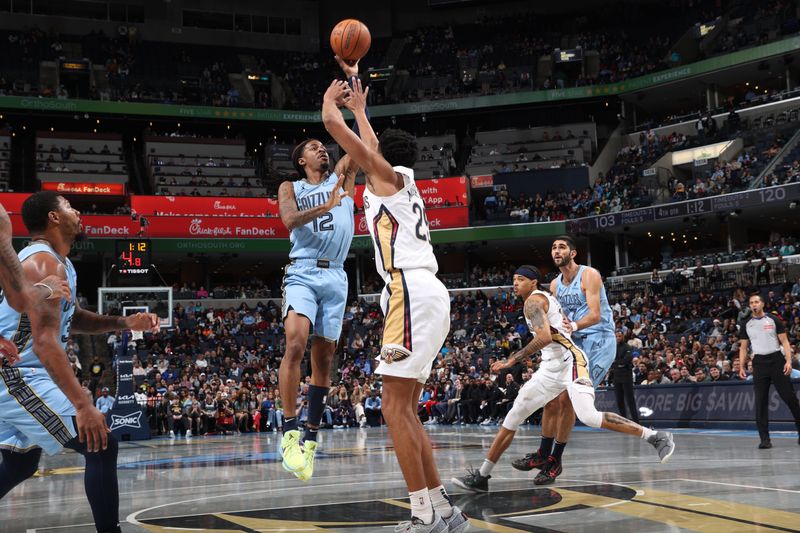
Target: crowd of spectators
(217,371)
(471,58)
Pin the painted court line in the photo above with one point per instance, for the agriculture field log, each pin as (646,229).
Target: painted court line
(790,491)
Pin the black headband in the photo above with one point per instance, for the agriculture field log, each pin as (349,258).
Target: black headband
(526,272)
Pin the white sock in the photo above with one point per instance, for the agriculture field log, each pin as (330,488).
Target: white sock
(647,433)
(421,505)
(486,468)
(441,502)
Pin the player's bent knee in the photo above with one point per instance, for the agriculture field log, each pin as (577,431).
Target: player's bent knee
(582,398)
(514,419)
(21,466)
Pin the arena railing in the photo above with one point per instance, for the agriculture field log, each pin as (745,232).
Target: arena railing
(228,303)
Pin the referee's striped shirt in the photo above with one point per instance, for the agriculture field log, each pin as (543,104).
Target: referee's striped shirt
(762,333)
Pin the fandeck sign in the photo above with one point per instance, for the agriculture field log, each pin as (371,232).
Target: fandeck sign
(101,189)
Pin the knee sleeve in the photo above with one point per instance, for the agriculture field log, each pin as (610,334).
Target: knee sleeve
(582,397)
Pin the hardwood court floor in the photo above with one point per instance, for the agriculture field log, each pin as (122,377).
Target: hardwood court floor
(716,481)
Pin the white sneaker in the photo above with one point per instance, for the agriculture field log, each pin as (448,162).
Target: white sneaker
(171,434)
(486,422)
(189,434)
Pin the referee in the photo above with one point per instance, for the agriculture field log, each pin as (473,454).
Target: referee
(767,334)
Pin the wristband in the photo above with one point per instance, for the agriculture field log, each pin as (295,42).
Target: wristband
(574,325)
(40,284)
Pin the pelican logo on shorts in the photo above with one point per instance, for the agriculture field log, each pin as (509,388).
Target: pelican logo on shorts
(392,354)
(126,421)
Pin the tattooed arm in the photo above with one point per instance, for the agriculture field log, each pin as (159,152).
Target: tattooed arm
(45,326)
(20,292)
(535,310)
(292,217)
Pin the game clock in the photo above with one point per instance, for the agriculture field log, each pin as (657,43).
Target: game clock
(132,263)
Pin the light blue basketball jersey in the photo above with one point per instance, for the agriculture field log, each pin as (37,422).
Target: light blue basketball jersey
(328,236)
(573,303)
(17,327)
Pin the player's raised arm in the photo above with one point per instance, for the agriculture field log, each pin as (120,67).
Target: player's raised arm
(366,157)
(535,311)
(45,326)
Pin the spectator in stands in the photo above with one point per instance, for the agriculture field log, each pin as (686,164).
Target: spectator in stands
(762,272)
(372,409)
(105,402)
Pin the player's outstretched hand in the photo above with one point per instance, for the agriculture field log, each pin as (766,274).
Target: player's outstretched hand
(143,322)
(497,366)
(92,428)
(338,92)
(59,287)
(358,96)
(9,354)
(350,68)
(337,194)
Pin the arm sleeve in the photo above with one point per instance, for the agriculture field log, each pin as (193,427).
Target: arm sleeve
(743,330)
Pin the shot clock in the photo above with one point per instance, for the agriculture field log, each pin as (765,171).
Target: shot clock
(132,263)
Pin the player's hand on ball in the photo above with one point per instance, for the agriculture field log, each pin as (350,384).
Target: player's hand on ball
(9,354)
(92,428)
(143,322)
(350,68)
(358,97)
(338,92)
(59,287)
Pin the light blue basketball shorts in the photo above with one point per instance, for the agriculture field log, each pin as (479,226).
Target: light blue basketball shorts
(319,294)
(601,348)
(33,411)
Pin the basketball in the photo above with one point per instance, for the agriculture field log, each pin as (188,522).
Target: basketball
(350,39)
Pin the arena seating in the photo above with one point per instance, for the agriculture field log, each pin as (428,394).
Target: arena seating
(182,166)
(80,157)
(534,148)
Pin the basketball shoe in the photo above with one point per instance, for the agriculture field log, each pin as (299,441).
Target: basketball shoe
(292,452)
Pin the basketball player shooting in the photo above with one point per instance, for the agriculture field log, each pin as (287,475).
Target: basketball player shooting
(317,209)
(415,303)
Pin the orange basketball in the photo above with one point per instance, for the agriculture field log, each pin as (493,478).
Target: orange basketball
(350,39)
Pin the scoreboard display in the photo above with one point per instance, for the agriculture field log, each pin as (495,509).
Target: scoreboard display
(133,264)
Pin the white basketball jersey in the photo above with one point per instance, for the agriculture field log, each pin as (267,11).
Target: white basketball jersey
(399,229)
(561,347)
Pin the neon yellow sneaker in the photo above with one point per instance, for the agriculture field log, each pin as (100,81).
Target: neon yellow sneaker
(309,450)
(294,459)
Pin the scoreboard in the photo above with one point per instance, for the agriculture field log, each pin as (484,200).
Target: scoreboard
(132,262)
